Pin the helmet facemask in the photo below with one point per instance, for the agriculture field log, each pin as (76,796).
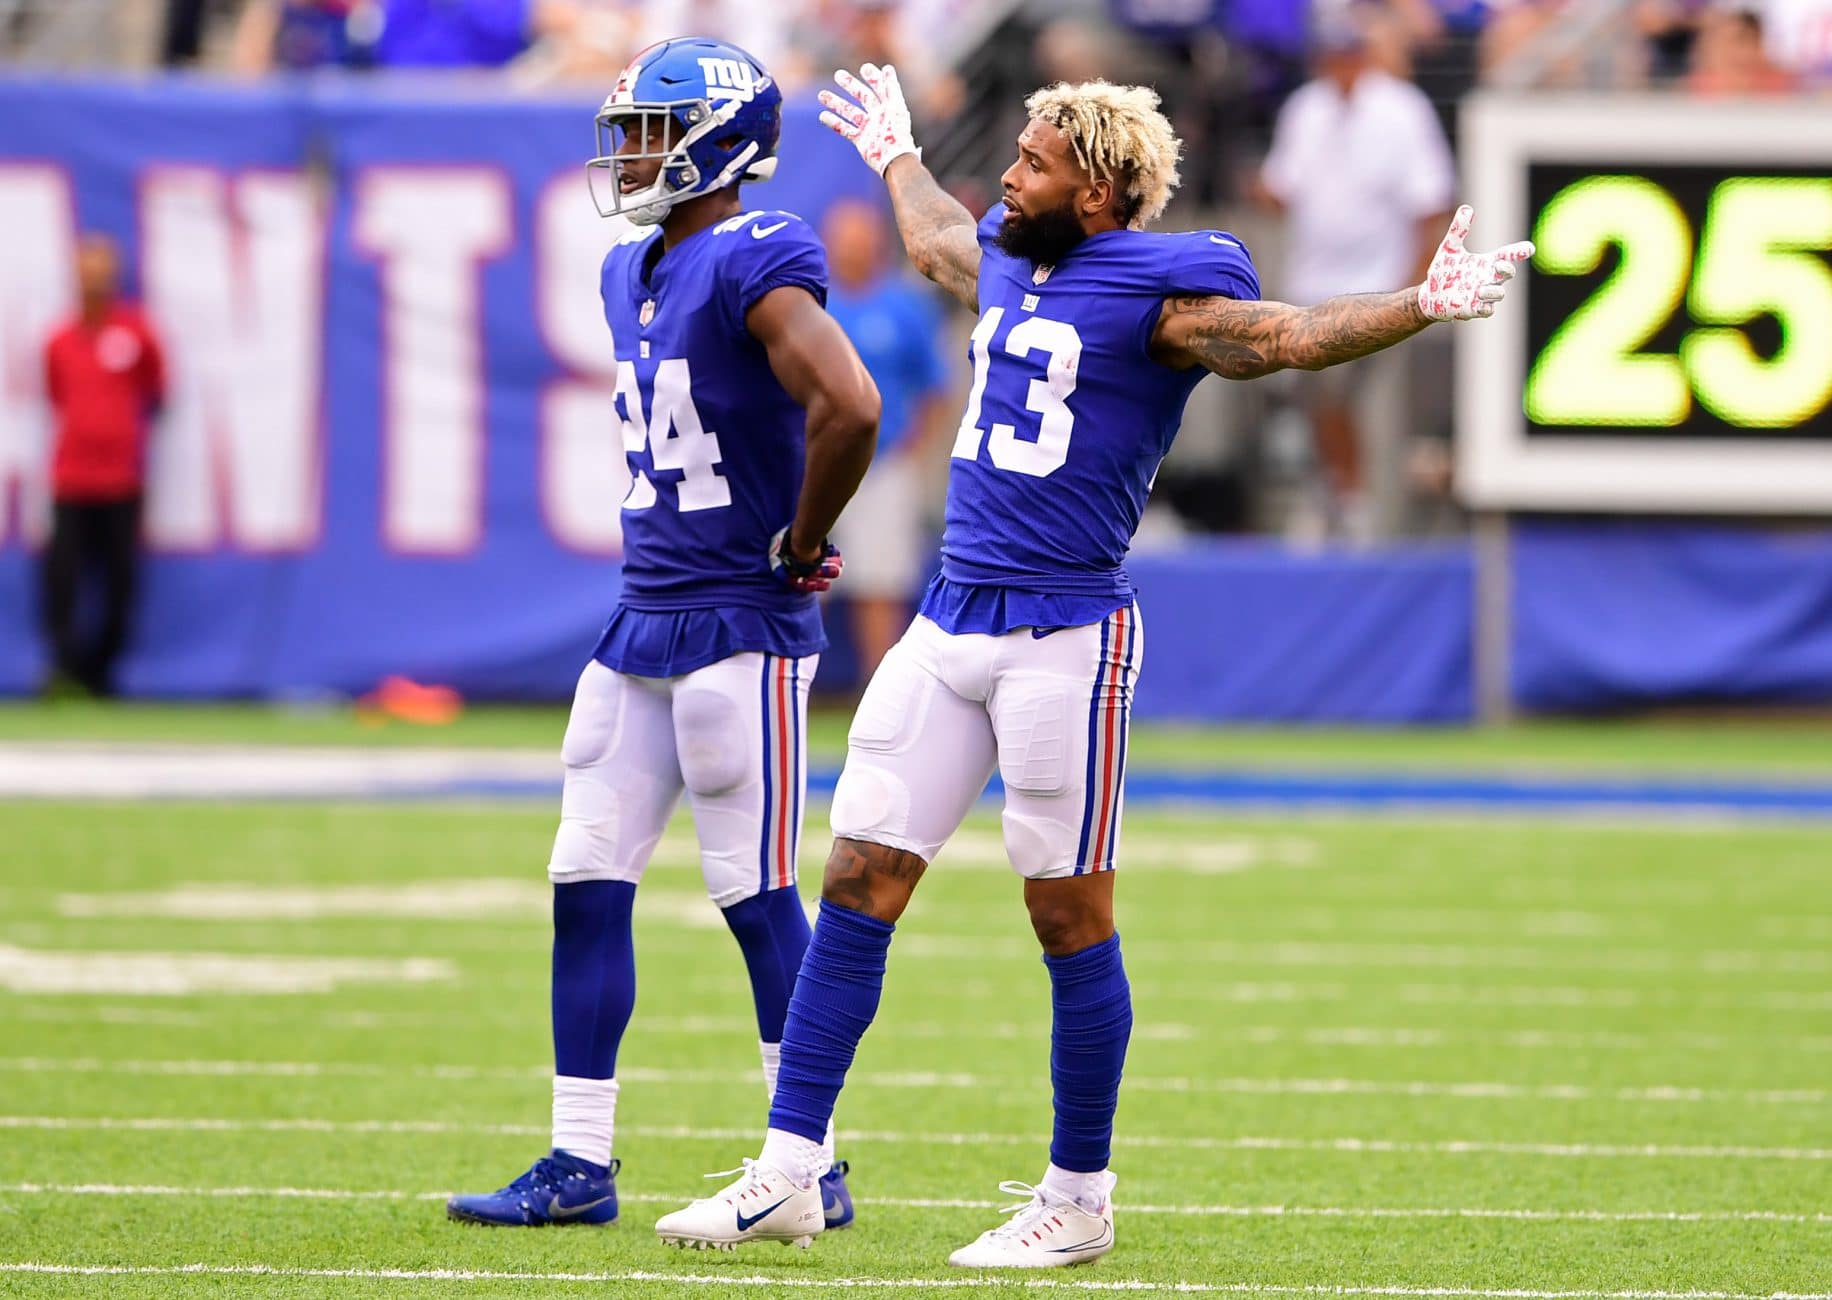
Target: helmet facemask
(665,132)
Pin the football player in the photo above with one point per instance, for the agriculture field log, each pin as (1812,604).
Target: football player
(1091,335)
(747,421)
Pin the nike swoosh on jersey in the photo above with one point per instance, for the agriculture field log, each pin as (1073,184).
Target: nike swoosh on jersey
(744,1224)
(1231,243)
(758,232)
(558,1211)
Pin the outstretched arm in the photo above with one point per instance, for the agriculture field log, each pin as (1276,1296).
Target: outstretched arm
(1244,340)
(937,231)
(815,362)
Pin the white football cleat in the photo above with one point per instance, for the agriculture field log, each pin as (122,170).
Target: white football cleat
(1043,1232)
(763,1205)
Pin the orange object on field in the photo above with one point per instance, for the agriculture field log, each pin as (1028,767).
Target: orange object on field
(410,701)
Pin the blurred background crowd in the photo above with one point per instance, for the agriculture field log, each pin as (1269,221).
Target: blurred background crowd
(1323,133)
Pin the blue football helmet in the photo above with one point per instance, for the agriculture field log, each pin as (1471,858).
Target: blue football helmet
(705,110)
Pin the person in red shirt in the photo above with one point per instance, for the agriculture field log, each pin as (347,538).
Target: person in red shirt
(105,377)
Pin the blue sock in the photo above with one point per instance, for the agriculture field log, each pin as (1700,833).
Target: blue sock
(1092,1007)
(836,996)
(772,930)
(594,975)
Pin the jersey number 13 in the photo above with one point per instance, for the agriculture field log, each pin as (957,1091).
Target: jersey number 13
(1048,397)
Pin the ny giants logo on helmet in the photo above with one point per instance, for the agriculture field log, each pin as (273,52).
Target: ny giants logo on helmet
(729,79)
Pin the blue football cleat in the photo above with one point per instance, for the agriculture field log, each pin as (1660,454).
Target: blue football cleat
(836,1201)
(559,1189)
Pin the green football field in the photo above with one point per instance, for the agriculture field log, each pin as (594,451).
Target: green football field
(247,1049)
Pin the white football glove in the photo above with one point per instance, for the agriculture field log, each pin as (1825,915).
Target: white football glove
(1462,285)
(879,123)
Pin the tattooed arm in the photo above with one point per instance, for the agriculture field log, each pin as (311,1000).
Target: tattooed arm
(938,232)
(940,235)
(1244,340)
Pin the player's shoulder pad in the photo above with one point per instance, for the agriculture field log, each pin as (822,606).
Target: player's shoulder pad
(1209,262)
(764,250)
(763,226)
(622,245)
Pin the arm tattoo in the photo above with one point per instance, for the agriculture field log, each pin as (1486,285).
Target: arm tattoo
(937,231)
(1244,340)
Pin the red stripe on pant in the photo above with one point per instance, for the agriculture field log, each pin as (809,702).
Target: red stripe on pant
(1112,673)
(785,766)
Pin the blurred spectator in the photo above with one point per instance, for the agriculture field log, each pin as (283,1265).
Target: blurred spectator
(760,27)
(1799,37)
(1362,172)
(105,379)
(298,35)
(829,34)
(466,33)
(899,332)
(1669,29)
(1517,24)
(1731,59)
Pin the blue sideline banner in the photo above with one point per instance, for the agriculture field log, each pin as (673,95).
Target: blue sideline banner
(1619,615)
(389,445)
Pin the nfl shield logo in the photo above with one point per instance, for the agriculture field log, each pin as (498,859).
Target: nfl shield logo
(1041,274)
(647,313)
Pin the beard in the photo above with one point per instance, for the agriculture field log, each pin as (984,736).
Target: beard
(1044,239)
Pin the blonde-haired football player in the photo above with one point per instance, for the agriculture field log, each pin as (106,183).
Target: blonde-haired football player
(1091,335)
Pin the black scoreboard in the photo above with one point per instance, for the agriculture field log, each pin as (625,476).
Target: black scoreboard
(1680,300)
(1669,347)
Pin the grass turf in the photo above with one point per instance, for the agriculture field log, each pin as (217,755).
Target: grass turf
(1336,1018)
(1780,745)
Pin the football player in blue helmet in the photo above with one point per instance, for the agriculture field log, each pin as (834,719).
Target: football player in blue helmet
(701,115)
(1093,331)
(747,421)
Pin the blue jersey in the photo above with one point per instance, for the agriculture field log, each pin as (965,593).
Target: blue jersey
(714,445)
(1067,421)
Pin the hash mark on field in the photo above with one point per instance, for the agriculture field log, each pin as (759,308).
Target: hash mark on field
(1485,1090)
(778,1280)
(177,974)
(939,1203)
(426,900)
(1193,1142)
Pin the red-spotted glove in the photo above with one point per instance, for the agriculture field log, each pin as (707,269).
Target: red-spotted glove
(1462,285)
(801,576)
(879,123)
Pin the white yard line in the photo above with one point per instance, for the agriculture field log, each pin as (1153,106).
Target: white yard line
(1368,1036)
(934,1203)
(700,1133)
(1449,956)
(974,1282)
(1483,1090)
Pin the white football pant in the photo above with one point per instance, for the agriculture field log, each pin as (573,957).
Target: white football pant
(1050,713)
(733,735)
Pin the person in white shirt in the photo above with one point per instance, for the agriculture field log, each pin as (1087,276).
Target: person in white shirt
(1799,37)
(1363,175)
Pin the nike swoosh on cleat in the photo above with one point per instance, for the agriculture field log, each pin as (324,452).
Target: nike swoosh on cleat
(745,1225)
(831,1209)
(1101,1240)
(758,232)
(558,1211)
